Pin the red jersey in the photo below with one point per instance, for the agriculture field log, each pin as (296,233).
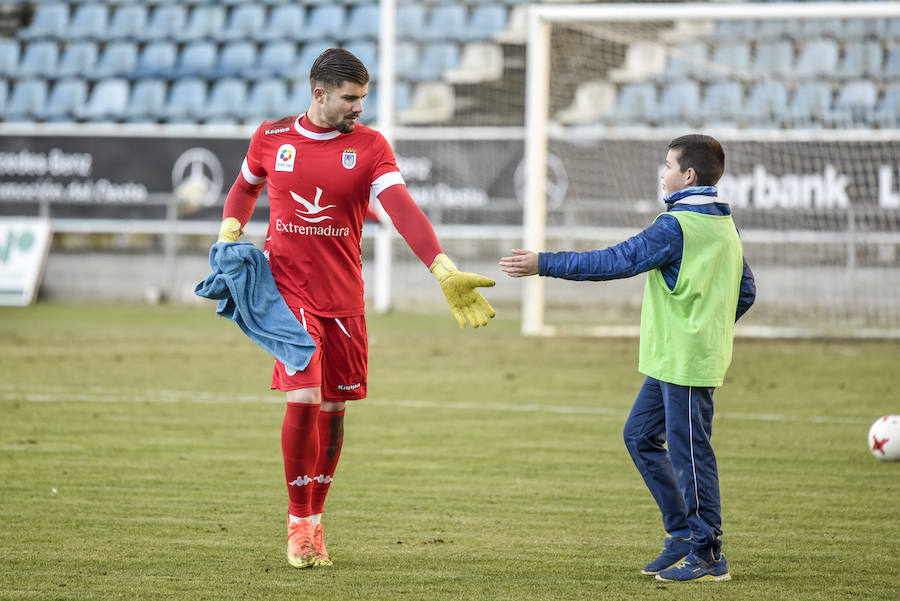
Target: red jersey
(319,186)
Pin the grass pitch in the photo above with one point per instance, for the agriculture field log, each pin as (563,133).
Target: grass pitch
(140,459)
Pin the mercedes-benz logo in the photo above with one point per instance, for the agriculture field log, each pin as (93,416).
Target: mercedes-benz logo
(197,177)
(557,181)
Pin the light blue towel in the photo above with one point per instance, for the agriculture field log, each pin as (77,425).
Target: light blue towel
(243,284)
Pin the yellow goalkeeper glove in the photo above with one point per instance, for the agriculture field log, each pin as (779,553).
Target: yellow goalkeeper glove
(230,230)
(459,288)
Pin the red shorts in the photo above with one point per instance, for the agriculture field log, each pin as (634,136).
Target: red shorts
(339,366)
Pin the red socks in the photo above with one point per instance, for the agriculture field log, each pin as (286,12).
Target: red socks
(300,448)
(331,439)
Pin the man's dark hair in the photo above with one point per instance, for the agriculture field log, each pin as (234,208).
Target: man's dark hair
(704,154)
(334,67)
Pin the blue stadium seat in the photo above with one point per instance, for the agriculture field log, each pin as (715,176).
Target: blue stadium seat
(436,58)
(285,21)
(117,59)
(157,59)
(300,97)
(367,52)
(165,23)
(147,100)
(129,21)
(810,105)
(49,21)
(186,101)
(9,57)
(406,58)
(39,58)
(66,100)
(267,100)
(635,103)
(733,30)
(204,21)
(485,21)
(854,105)
(27,99)
(307,56)
(679,102)
(4,96)
(687,59)
(446,22)
(245,22)
(236,58)
(89,21)
(325,21)
(227,101)
(773,29)
(819,28)
(892,64)
(78,59)
(728,60)
(860,59)
(887,111)
(107,100)
(773,59)
(818,58)
(276,59)
(723,101)
(410,20)
(767,104)
(402,100)
(362,22)
(860,29)
(197,59)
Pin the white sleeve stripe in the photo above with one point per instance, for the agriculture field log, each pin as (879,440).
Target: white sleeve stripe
(385,181)
(248,175)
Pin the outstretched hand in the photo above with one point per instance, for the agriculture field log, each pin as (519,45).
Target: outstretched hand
(521,264)
(466,303)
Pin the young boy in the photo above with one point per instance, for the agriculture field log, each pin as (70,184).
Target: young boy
(699,284)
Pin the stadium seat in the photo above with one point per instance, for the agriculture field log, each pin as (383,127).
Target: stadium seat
(431,102)
(486,20)
(891,71)
(186,101)
(643,60)
(267,100)
(157,59)
(307,56)
(860,29)
(39,59)
(197,59)
(860,59)
(367,52)
(733,30)
(767,104)
(818,58)
(299,100)
(773,59)
(436,58)
(446,22)
(769,30)
(887,111)
(204,21)
(117,59)
(679,102)
(687,59)
(107,100)
(66,100)
(9,57)
(50,20)
(516,30)
(810,105)
(276,59)
(723,102)
(324,21)
(635,103)
(410,20)
(246,22)
(479,62)
(129,21)
(27,99)
(236,58)
(78,59)
(165,23)
(89,22)
(227,101)
(284,22)
(729,60)
(820,28)
(854,105)
(4,96)
(592,100)
(362,22)
(147,100)
(406,58)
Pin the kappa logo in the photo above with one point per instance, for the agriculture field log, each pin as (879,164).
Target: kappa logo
(278,130)
(284,158)
(311,210)
(301,481)
(348,158)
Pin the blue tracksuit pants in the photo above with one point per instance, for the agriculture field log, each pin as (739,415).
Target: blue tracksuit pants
(682,478)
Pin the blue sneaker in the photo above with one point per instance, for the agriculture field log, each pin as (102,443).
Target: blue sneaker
(695,569)
(674,550)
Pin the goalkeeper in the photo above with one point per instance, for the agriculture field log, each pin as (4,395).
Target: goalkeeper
(698,285)
(320,168)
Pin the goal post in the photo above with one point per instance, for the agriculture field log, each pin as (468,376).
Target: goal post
(813,199)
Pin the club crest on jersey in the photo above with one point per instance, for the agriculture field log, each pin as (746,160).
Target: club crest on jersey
(348,158)
(284,158)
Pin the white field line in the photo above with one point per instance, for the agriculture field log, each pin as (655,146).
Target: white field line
(59,394)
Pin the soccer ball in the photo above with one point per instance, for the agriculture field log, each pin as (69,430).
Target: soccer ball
(884,438)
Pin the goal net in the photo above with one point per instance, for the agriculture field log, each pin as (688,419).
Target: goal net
(806,101)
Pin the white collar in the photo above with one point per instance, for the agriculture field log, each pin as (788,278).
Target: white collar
(699,199)
(314,135)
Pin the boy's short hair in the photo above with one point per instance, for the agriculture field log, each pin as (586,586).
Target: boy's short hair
(335,66)
(704,154)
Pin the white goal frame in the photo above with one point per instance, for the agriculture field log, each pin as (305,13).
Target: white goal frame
(537,81)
